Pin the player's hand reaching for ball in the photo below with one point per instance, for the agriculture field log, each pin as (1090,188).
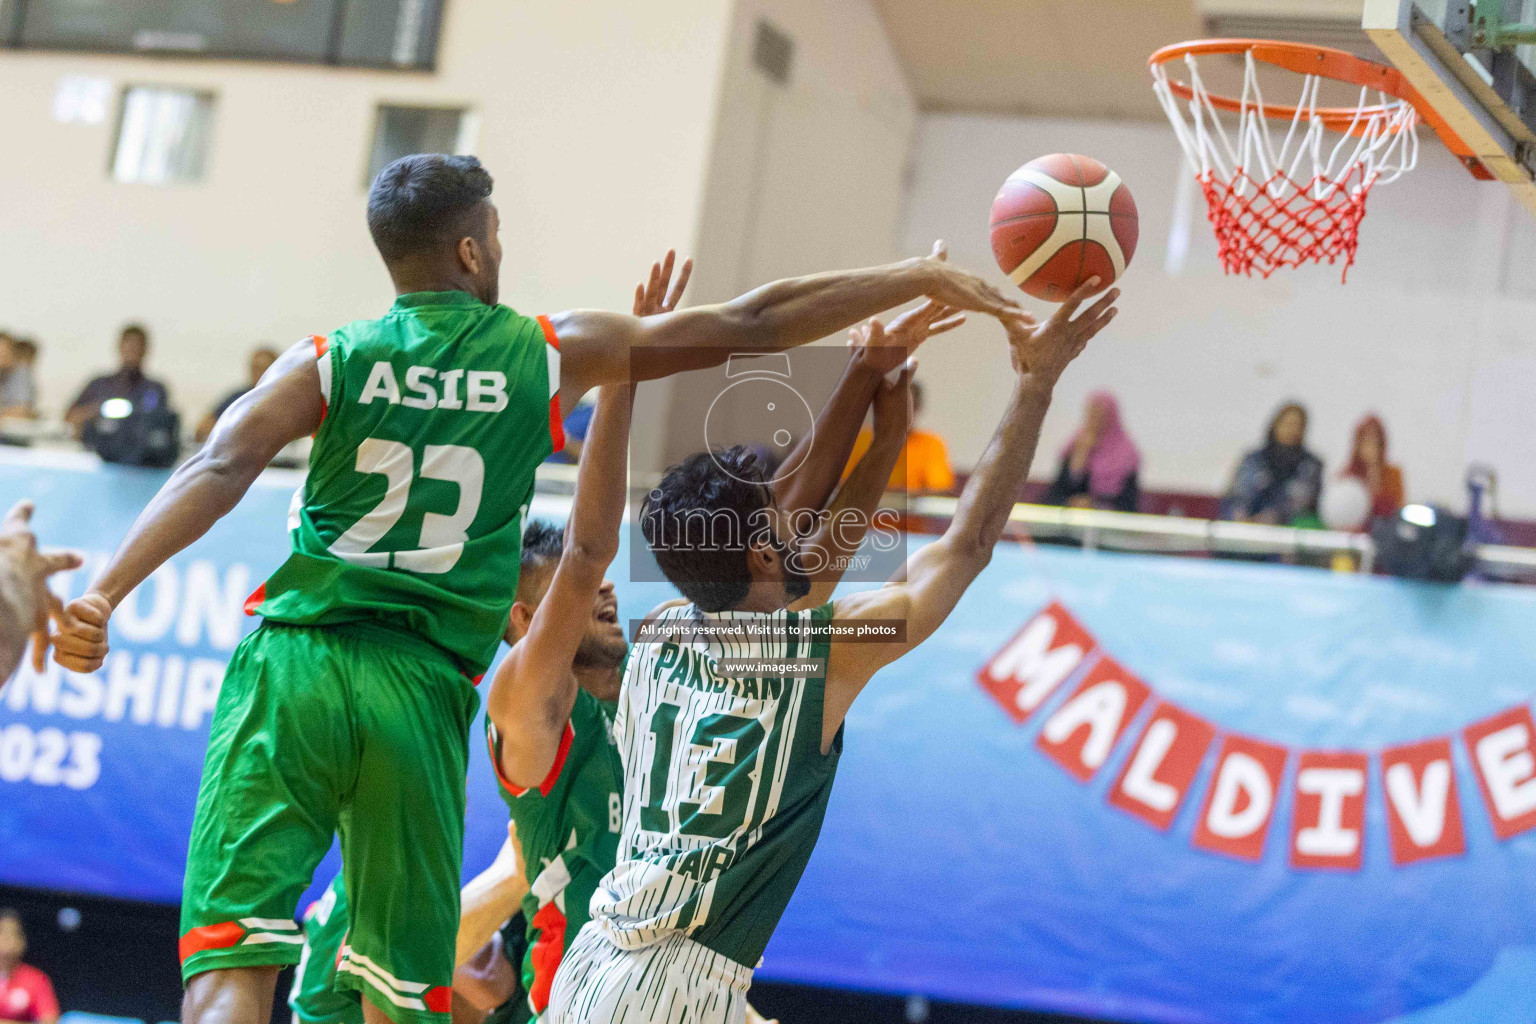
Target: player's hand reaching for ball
(882,348)
(962,289)
(652,295)
(1043,350)
(25,569)
(81,643)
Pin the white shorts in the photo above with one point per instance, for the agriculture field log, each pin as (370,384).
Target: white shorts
(676,981)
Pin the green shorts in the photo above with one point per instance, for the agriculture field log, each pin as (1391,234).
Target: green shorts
(314,999)
(354,729)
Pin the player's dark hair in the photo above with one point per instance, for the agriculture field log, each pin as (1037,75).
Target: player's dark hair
(702,517)
(425,200)
(11,914)
(543,543)
(139,329)
(26,346)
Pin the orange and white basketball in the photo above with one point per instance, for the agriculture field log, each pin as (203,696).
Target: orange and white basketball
(1060,220)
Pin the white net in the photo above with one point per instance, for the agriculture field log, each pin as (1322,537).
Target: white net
(1285,200)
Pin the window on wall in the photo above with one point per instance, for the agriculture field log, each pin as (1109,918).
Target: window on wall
(366,33)
(391,33)
(401,131)
(162,135)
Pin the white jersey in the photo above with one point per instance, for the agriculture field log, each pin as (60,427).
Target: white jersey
(725,784)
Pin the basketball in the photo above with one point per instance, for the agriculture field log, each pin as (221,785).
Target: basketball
(1060,220)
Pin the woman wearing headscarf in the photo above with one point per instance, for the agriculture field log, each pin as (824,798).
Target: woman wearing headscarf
(1368,464)
(1099,465)
(1278,483)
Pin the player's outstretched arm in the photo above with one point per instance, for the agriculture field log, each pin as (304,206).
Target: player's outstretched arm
(876,350)
(534,688)
(285,405)
(939,574)
(602,348)
(826,553)
(488,899)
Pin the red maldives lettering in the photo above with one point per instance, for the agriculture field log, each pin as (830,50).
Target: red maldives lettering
(1036,661)
(1082,732)
(1503,750)
(1328,812)
(1163,765)
(1241,800)
(1423,814)
(1418,780)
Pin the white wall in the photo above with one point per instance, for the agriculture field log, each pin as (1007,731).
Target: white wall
(807,175)
(1436,329)
(595,118)
(804,177)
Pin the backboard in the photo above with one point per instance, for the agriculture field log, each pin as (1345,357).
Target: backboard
(1474,63)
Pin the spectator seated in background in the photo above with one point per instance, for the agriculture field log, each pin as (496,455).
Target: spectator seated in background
(1279,483)
(25,992)
(125,416)
(1099,466)
(1368,464)
(923,466)
(261,358)
(18,390)
(127,382)
(24,372)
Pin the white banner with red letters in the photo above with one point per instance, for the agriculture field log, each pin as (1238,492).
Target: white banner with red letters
(1054,652)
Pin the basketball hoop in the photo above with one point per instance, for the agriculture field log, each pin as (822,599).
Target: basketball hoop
(1300,201)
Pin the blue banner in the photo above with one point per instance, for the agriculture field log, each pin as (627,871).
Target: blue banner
(1130,787)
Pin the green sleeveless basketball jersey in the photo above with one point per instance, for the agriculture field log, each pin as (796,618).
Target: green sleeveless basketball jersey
(725,789)
(436,417)
(568,829)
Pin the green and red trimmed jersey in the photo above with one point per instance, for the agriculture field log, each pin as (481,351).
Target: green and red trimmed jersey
(436,416)
(568,829)
(725,786)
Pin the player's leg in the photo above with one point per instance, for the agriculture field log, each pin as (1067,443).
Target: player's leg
(230,994)
(402,836)
(280,754)
(313,998)
(373,1015)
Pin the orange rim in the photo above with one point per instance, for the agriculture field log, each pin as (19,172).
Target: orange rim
(1307,59)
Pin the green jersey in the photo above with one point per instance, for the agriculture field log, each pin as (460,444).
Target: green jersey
(725,786)
(568,829)
(436,416)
